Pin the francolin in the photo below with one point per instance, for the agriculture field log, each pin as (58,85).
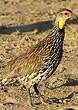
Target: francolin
(40,61)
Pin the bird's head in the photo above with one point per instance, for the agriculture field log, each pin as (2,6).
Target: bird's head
(62,16)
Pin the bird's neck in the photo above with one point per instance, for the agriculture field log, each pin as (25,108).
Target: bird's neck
(56,38)
(56,32)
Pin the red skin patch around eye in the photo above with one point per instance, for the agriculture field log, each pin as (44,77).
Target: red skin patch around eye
(67,14)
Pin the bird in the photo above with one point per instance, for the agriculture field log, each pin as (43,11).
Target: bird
(41,60)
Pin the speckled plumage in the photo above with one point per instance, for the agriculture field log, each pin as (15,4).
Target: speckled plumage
(43,57)
(40,61)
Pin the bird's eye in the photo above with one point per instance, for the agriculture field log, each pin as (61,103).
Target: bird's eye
(66,13)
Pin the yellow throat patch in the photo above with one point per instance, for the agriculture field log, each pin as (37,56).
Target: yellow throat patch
(61,23)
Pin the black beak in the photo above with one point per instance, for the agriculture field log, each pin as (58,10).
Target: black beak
(73,19)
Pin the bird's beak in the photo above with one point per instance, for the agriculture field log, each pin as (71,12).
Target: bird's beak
(73,17)
(72,20)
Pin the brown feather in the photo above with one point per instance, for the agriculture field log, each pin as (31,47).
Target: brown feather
(40,57)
